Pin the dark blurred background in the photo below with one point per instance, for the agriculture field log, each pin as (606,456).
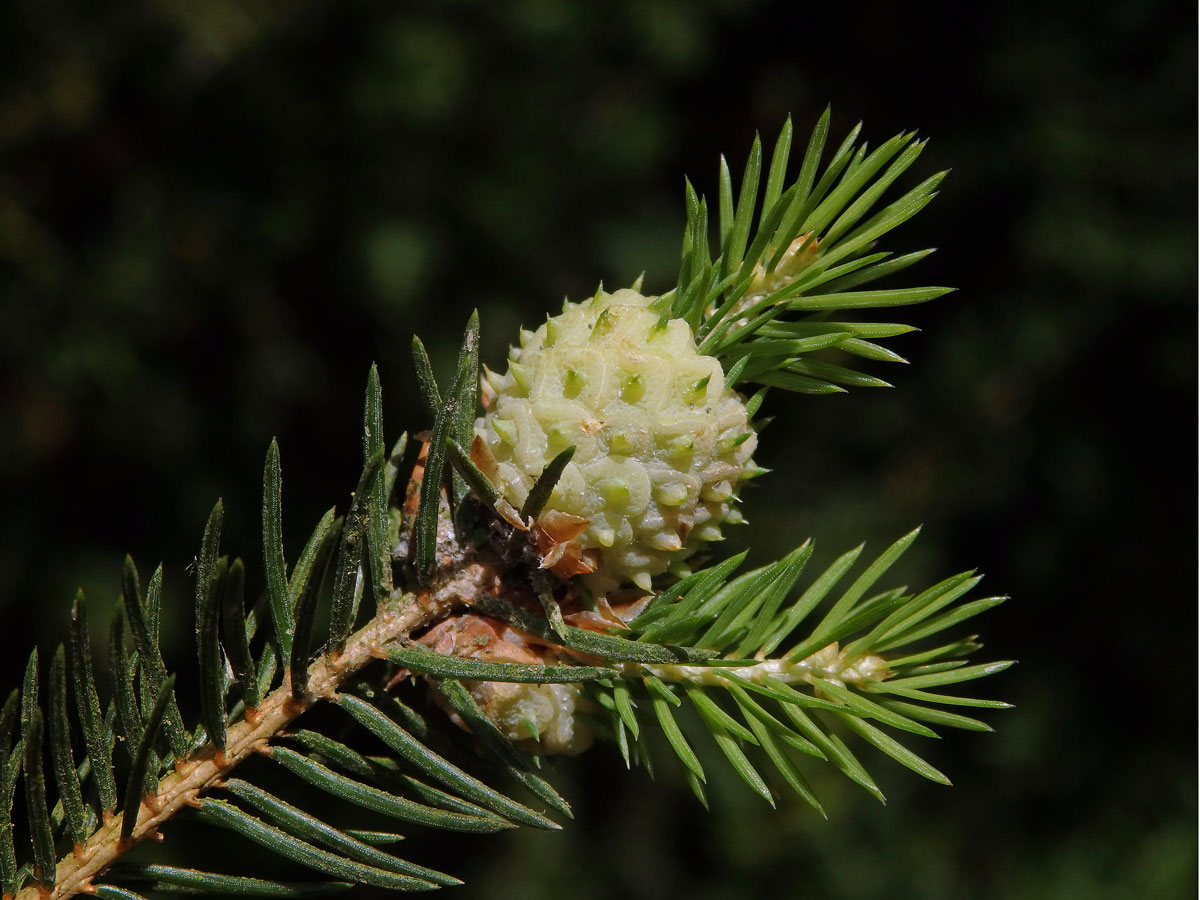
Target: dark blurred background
(215,215)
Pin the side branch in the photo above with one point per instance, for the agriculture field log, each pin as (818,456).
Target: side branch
(829,664)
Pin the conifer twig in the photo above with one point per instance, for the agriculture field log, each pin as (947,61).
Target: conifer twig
(461,582)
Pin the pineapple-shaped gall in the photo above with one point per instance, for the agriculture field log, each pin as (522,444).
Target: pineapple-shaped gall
(661,442)
(539,717)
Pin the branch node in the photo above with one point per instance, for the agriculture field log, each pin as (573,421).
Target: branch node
(292,707)
(153,802)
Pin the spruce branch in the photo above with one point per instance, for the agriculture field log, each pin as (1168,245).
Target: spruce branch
(548,576)
(763,305)
(188,780)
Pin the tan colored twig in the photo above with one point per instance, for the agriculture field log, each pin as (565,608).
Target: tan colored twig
(462,580)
